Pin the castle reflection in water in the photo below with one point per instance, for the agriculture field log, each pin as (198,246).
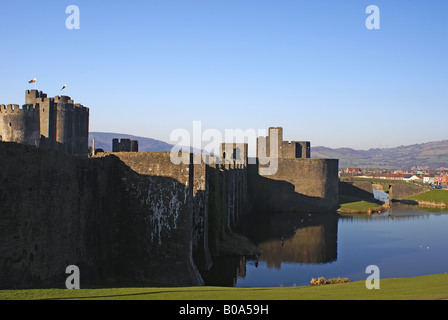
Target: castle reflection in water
(291,238)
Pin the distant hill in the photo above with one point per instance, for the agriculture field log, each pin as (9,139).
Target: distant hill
(103,140)
(432,155)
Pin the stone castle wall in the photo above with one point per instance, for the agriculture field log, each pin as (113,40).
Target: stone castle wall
(122,218)
(294,181)
(116,224)
(299,185)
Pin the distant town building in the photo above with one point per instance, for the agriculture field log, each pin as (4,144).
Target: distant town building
(429,180)
(124,145)
(412,177)
(353,171)
(442,180)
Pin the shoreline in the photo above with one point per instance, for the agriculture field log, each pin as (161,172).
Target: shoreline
(378,209)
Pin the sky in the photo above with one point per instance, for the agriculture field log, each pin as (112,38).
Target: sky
(312,67)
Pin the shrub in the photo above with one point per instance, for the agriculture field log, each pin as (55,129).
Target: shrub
(321,281)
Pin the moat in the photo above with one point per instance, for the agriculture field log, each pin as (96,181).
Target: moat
(405,241)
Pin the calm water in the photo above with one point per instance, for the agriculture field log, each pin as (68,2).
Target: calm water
(403,242)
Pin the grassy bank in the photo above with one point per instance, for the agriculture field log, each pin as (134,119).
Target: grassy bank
(356,205)
(384,182)
(432,198)
(422,288)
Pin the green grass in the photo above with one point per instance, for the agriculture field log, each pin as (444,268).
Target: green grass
(383,182)
(431,287)
(353,204)
(436,196)
(386,187)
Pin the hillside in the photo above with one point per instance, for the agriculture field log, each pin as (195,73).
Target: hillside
(103,140)
(432,154)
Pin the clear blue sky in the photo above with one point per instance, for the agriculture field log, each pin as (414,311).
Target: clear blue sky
(148,67)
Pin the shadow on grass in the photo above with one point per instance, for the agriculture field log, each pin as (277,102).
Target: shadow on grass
(187,292)
(409,202)
(347,199)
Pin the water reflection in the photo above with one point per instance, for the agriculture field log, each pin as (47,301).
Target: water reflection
(225,271)
(298,239)
(296,247)
(282,238)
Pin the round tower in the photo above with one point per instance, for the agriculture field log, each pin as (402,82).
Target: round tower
(82,130)
(21,125)
(64,127)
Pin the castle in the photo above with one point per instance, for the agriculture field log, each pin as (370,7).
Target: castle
(53,123)
(135,217)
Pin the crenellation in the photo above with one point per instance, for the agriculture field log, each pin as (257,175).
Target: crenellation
(65,99)
(32,96)
(29,107)
(286,149)
(234,153)
(305,149)
(58,123)
(124,145)
(12,107)
(47,100)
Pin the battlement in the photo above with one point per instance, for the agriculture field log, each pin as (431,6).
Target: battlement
(124,145)
(47,100)
(35,93)
(70,106)
(16,109)
(234,152)
(286,149)
(33,96)
(80,108)
(65,99)
(296,149)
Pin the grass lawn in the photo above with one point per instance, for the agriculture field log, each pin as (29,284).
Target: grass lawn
(351,204)
(436,196)
(431,287)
